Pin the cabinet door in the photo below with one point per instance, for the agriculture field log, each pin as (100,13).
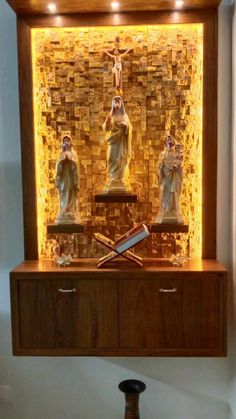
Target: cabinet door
(172,314)
(67,314)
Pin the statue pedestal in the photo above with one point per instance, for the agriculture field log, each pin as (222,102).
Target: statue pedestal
(168,228)
(65,228)
(115,197)
(169,217)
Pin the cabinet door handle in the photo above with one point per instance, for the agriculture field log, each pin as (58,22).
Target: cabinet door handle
(62,291)
(168,290)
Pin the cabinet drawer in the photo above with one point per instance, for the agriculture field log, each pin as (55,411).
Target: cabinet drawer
(67,313)
(175,313)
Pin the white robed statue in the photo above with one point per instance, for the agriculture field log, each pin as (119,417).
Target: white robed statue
(119,130)
(67,183)
(170,176)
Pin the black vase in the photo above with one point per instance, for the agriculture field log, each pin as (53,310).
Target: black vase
(132,389)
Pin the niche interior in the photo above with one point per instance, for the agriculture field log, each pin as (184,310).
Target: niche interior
(73,89)
(169,85)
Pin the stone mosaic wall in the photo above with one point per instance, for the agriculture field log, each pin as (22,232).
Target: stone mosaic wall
(73,89)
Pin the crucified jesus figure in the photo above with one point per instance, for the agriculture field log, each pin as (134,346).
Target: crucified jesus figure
(117,69)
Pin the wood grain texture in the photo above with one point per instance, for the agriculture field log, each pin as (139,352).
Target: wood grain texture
(185,315)
(25,7)
(122,315)
(15,315)
(209,163)
(117,19)
(52,319)
(27,140)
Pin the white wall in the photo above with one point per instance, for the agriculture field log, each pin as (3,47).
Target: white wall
(232,375)
(61,388)
(224,218)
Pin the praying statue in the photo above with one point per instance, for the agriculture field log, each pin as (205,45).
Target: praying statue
(170,176)
(67,182)
(119,130)
(117,69)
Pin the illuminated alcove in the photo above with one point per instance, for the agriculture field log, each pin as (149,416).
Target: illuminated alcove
(162,92)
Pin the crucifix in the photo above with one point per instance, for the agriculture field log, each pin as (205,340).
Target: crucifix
(117,56)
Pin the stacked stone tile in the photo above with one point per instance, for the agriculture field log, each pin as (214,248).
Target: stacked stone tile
(73,88)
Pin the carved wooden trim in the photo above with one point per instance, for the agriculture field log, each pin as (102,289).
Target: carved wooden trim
(209,19)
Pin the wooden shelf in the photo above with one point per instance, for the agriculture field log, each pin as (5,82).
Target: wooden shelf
(168,228)
(88,268)
(153,228)
(64,228)
(108,197)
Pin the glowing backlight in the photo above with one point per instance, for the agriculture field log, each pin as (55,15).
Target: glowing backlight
(162,91)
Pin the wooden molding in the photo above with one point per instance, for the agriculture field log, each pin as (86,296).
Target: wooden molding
(209,155)
(119,19)
(27,140)
(209,19)
(36,7)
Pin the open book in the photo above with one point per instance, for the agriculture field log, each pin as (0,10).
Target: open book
(120,247)
(132,237)
(129,239)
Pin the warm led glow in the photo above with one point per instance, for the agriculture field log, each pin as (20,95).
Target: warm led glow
(115,5)
(58,21)
(52,7)
(179,4)
(73,88)
(176,17)
(116,19)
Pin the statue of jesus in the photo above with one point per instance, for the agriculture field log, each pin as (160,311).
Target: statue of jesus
(119,131)
(117,69)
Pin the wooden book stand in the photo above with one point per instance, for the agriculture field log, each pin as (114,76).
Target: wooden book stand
(110,244)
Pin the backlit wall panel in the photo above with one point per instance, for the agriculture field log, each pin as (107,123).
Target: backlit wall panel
(162,92)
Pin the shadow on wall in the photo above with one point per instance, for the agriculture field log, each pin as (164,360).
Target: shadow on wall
(11,228)
(183,385)
(57,388)
(83,387)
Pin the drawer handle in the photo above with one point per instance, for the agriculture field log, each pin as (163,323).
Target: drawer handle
(170,291)
(62,291)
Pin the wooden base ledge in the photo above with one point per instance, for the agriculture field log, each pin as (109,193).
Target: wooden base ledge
(168,228)
(89,266)
(121,352)
(64,228)
(106,197)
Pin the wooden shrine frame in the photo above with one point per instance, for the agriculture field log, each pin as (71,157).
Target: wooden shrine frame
(209,157)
